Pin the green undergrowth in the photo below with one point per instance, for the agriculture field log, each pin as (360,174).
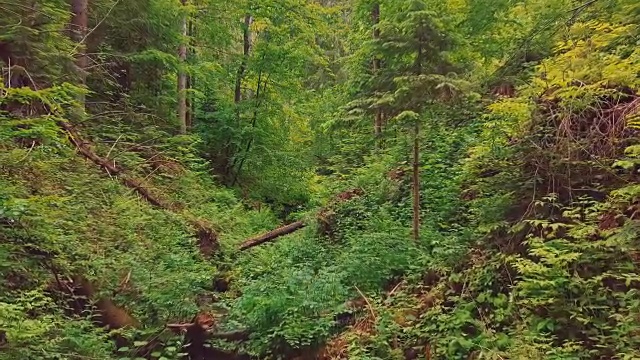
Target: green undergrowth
(529,207)
(570,292)
(61,215)
(295,292)
(550,200)
(292,290)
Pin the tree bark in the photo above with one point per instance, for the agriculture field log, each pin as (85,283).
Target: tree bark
(246,49)
(375,17)
(190,103)
(238,335)
(230,149)
(416,158)
(197,336)
(271,235)
(188,117)
(110,315)
(254,121)
(110,167)
(182,76)
(416,182)
(79,25)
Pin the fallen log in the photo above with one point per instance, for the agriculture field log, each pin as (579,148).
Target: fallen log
(207,236)
(323,216)
(238,335)
(272,235)
(111,168)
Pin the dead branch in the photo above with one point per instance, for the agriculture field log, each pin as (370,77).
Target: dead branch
(290,228)
(207,236)
(369,306)
(111,168)
(238,335)
(272,235)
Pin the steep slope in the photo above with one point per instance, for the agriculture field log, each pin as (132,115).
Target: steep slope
(71,228)
(551,200)
(486,152)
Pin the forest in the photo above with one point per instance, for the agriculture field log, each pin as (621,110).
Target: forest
(319,179)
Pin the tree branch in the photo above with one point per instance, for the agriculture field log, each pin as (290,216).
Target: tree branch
(272,235)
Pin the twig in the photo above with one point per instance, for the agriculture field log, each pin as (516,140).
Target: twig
(114,145)
(126,279)
(373,314)
(33,144)
(35,87)
(575,13)
(180,326)
(395,288)
(25,7)
(15,13)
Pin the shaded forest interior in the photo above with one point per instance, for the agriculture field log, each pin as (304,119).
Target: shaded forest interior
(320,179)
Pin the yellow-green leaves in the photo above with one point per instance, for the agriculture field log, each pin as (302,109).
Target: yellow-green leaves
(589,58)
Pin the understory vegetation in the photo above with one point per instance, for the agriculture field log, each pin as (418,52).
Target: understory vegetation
(320,179)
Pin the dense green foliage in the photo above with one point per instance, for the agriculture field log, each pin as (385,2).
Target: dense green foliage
(524,115)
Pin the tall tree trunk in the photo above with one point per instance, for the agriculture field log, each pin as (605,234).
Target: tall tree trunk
(416,181)
(182,76)
(189,104)
(375,16)
(416,158)
(254,122)
(246,48)
(79,25)
(190,78)
(229,149)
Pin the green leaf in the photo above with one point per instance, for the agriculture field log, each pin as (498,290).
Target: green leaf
(465,344)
